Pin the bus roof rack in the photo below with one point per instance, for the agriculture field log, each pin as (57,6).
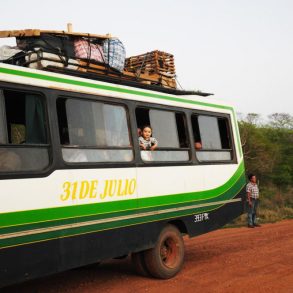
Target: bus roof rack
(119,80)
(38,33)
(55,51)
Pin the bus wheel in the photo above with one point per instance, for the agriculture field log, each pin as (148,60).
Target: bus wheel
(166,259)
(139,263)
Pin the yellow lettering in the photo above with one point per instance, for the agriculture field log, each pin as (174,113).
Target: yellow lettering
(89,189)
(120,191)
(84,189)
(66,189)
(112,187)
(132,186)
(103,195)
(93,189)
(74,184)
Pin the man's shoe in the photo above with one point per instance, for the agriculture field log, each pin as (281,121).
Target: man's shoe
(250,226)
(257,225)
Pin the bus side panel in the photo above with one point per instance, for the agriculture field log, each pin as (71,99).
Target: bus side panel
(25,262)
(48,257)
(198,224)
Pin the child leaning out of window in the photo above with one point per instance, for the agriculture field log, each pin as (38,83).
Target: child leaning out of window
(146,141)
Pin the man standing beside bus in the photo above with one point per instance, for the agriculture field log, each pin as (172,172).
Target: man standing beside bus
(252,200)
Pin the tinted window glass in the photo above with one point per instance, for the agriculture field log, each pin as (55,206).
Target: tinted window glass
(86,126)
(209,132)
(169,130)
(164,128)
(23,134)
(212,140)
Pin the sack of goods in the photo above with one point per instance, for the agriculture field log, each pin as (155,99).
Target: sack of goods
(114,53)
(84,49)
(39,49)
(56,44)
(39,59)
(7,52)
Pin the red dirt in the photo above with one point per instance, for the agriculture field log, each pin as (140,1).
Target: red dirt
(227,260)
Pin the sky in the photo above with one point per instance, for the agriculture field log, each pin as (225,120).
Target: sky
(241,51)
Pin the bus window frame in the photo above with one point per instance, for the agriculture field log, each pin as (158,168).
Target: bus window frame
(55,148)
(12,87)
(175,110)
(232,138)
(99,99)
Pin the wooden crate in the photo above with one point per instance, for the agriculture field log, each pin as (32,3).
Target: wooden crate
(153,79)
(156,65)
(155,62)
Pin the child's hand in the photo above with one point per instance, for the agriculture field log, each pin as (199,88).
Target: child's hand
(142,147)
(154,147)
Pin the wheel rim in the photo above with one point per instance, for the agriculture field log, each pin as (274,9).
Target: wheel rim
(169,252)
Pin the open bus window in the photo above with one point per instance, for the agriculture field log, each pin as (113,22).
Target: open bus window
(23,135)
(212,140)
(169,129)
(93,131)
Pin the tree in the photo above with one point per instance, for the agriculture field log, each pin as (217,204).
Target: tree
(253,118)
(281,120)
(268,148)
(259,152)
(268,152)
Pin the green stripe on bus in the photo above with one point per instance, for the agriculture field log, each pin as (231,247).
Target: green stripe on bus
(239,145)
(120,90)
(62,213)
(235,189)
(106,87)
(99,227)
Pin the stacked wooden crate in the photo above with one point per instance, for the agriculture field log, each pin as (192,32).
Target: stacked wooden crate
(157,65)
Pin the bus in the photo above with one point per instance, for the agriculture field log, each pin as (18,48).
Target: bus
(77,189)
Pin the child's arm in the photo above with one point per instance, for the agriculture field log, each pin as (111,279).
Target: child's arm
(142,146)
(154,144)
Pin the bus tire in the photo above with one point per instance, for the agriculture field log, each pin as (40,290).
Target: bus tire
(166,259)
(139,263)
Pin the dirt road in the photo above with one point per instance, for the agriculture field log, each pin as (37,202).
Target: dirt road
(227,260)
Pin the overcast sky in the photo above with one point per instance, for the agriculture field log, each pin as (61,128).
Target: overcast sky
(240,50)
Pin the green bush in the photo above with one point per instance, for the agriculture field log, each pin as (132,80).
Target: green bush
(268,153)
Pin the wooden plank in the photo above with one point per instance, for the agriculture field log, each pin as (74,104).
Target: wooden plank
(150,64)
(37,33)
(94,36)
(20,33)
(170,73)
(92,67)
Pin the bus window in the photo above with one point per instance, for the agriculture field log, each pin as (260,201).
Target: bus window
(212,140)
(23,135)
(93,131)
(169,129)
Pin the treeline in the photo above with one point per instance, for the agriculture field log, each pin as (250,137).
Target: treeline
(268,153)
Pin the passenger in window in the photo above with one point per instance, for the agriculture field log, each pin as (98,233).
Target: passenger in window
(198,145)
(9,160)
(146,141)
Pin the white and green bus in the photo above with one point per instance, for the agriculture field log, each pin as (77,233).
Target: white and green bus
(76,189)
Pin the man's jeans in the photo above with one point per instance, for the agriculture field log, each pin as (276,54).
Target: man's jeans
(251,211)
